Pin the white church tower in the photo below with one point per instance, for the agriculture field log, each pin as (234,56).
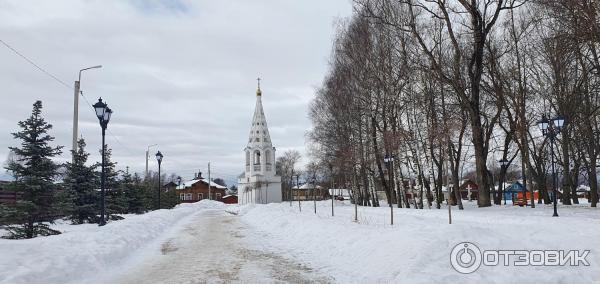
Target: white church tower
(259,183)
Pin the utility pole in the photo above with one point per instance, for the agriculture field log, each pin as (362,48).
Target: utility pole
(209,192)
(148,156)
(75,115)
(76,107)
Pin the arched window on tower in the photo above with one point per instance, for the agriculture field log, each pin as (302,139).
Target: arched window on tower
(256,160)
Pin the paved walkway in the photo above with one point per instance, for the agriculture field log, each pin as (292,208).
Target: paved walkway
(210,250)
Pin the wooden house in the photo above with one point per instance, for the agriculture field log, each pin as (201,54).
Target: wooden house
(198,188)
(230,199)
(309,191)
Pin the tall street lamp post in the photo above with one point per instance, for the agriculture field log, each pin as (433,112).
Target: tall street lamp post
(178,187)
(503,166)
(159,157)
(103,113)
(298,192)
(551,128)
(389,162)
(76,107)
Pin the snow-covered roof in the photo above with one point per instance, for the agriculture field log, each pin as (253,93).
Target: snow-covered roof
(504,185)
(339,191)
(583,188)
(190,183)
(308,186)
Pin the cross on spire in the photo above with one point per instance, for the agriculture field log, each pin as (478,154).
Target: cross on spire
(258,80)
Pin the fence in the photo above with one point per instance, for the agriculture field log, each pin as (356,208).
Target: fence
(9,196)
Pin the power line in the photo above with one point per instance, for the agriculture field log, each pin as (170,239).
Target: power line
(35,65)
(14,50)
(60,82)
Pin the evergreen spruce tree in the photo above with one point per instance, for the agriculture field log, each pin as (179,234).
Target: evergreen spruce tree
(116,202)
(81,182)
(132,192)
(141,191)
(149,190)
(34,173)
(169,199)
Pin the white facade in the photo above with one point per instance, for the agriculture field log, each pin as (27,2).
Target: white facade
(259,183)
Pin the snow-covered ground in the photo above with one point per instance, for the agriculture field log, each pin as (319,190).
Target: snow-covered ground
(212,242)
(215,247)
(85,252)
(417,248)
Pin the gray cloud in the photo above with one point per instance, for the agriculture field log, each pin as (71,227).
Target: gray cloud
(177,73)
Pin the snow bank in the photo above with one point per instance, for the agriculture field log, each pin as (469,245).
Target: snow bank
(417,248)
(85,251)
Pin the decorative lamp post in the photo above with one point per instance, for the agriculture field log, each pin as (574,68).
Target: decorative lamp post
(103,113)
(389,162)
(159,157)
(178,187)
(503,165)
(551,128)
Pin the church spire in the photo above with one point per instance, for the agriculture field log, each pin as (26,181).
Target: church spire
(258,92)
(259,131)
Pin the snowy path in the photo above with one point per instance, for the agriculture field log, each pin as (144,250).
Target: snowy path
(213,249)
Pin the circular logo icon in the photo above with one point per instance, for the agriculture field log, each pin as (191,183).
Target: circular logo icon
(465,257)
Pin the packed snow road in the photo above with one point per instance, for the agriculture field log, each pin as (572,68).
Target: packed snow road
(212,249)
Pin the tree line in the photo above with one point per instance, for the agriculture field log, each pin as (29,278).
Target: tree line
(49,190)
(442,86)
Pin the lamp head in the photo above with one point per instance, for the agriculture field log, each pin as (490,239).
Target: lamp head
(107,115)
(559,122)
(543,124)
(159,156)
(100,108)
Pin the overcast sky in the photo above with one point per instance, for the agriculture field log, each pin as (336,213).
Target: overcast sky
(181,74)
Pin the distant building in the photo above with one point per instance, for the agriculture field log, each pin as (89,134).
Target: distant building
(340,193)
(8,196)
(259,183)
(469,190)
(4,184)
(583,191)
(230,199)
(197,189)
(309,191)
(169,186)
